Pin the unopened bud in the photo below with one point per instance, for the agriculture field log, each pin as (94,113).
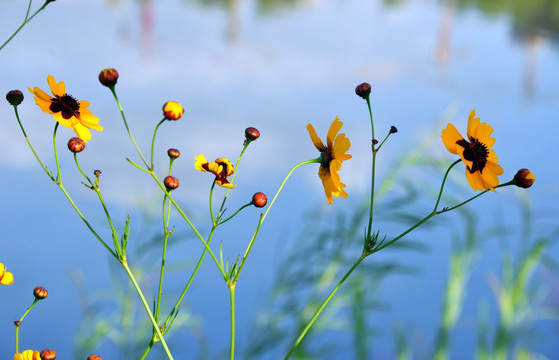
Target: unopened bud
(252,133)
(393,130)
(363,90)
(94,357)
(76,145)
(108,77)
(173,153)
(48,354)
(96,173)
(171,182)
(14,97)
(172,110)
(40,293)
(17,323)
(259,199)
(524,178)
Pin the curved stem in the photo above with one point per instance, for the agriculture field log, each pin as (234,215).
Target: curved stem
(153,141)
(442,185)
(166,234)
(369,229)
(21,320)
(232,306)
(25,21)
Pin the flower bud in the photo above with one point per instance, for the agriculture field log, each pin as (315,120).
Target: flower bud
(252,133)
(173,153)
(14,97)
(17,323)
(393,130)
(363,90)
(108,77)
(96,173)
(76,145)
(94,357)
(172,110)
(40,293)
(524,178)
(48,354)
(171,182)
(259,199)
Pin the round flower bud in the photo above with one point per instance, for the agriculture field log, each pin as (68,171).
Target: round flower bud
(172,110)
(94,357)
(96,172)
(40,293)
(108,77)
(524,178)
(259,199)
(171,182)
(173,153)
(48,354)
(76,145)
(363,90)
(393,130)
(14,97)
(17,323)
(252,133)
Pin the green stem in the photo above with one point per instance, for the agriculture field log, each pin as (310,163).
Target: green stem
(166,216)
(147,308)
(58,175)
(21,320)
(369,229)
(245,146)
(153,140)
(322,306)
(25,21)
(232,304)
(444,181)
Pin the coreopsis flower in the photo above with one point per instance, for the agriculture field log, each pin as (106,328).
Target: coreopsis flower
(331,157)
(172,110)
(476,153)
(221,168)
(28,355)
(6,278)
(68,111)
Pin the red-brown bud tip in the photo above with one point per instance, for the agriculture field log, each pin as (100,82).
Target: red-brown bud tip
(108,77)
(252,133)
(94,357)
(171,182)
(173,153)
(363,90)
(48,354)
(40,293)
(172,110)
(96,172)
(259,199)
(17,323)
(393,129)
(76,145)
(14,97)
(524,178)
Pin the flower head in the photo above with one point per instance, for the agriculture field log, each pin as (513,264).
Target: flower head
(14,97)
(108,77)
(28,355)
(332,155)
(68,111)
(172,110)
(221,168)
(524,178)
(481,162)
(48,354)
(6,278)
(40,293)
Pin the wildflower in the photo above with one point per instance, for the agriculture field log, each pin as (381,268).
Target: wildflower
(480,160)
(14,97)
(68,111)
(331,157)
(40,293)
(28,355)
(259,199)
(363,90)
(173,153)
(221,168)
(252,133)
(172,110)
(6,278)
(524,178)
(108,77)
(76,145)
(171,182)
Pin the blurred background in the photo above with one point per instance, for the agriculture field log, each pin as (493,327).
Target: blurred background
(278,65)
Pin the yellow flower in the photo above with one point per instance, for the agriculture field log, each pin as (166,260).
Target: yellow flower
(221,168)
(6,278)
(481,162)
(28,355)
(332,155)
(68,111)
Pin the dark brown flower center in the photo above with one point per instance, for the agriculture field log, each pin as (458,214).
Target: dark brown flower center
(325,158)
(475,152)
(66,105)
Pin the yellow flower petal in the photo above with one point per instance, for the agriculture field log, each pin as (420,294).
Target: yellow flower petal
(340,146)
(450,136)
(334,129)
(199,161)
(56,89)
(315,139)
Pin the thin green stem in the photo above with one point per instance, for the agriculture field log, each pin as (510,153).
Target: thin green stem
(166,234)
(153,140)
(214,221)
(442,184)
(58,175)
(322,306)
(25,21)
(127,128)
(236,212)
(232,305)
(147,308)
(245,146)
(373,162)
(21,320)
